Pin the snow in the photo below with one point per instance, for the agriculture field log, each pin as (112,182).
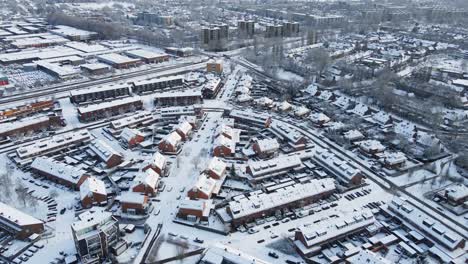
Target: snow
(10,215)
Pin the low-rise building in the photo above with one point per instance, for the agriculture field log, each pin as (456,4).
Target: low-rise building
(19,224)
(340,168)
(54,144)
(249,118)
(393,160)
(266,147)
(131,137)
(319,119)
(425,223)
(107,109)
(214,66)
(246,208)
(195,208)
(95,232)
(308,239)
(158,163)
(216,168)
(371,147)
(93,192)
(455,194)
(137,118)
(59,172)
(157,84)
(100,93)
(204,188)
(178,98)
(211,88)
(184,129)
(260,170)
(118,61)
(353,135)
(146,182)
(170,143)
(147,56)
(106,153)
(134,203)
(29,124)
(288,134)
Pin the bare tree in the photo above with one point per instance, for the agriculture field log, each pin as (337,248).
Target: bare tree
(21,192)
(196,161)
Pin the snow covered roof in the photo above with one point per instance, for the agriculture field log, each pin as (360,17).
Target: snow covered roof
(256,117)
(205,184)
(224,254)
(184,127)
(197,205)
(426,139)
(264,101)
(11,216)
(392,158)
(353,135)
(457,192)
(382,117)
(71,31)
(284,106)
(285,131)
(338,166)
(228,131)
(405,129)
(115,58)
(425,223)
(172,139)
(85,47)
(328,229)
(102,88)
(135,118)
(54,143)
(312,89)
(58,169)
(132,197)
(106,105)
(91,186)
(91,220)
(319,118)
(360,110)
(301,111)
(129,133)
(103,150)
(280,163)
(28,121)
(183,93)
(38,54)
(244,98)
(159,161)
(217,166)
(212,84)
(371,145)
(342,102)
(223,141)
(148,178)
(268,145)
(259,201)
(326,95)
(460,82)
(145,54)
(158,80)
